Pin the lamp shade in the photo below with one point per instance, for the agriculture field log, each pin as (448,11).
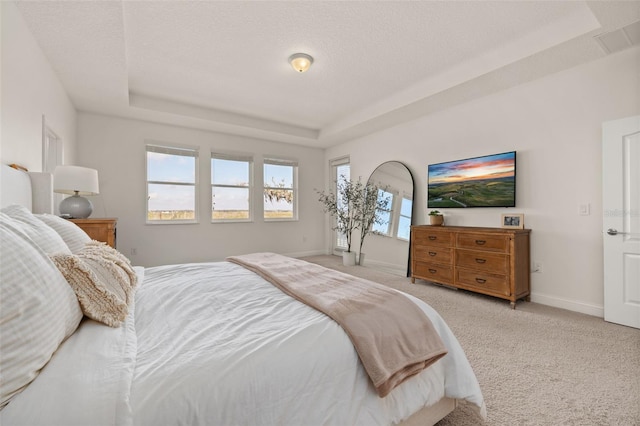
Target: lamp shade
(75,180)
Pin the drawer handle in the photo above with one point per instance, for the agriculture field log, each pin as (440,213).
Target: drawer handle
(433,271)
(480,242)
(433,237)
(432,253)
(481,260)
(481,280)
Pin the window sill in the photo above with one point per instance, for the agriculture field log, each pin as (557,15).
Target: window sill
(172,222)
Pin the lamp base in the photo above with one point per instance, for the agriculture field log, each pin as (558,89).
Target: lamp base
(76,207)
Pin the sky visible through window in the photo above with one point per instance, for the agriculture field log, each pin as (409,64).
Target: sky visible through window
(404,224)
(234,173)
(181,169)
(171,168)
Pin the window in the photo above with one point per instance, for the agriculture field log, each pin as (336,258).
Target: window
(231,183)
(340,171)
(404,223)
(280,189)
(384,227)
(171,184)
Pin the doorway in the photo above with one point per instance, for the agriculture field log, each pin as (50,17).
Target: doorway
(621,220)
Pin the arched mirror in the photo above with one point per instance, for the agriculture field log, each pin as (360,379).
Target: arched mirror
(387,247)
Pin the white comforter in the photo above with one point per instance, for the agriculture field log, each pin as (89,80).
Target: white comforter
(214,344)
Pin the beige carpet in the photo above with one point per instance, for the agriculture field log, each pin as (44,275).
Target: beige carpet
(536,365)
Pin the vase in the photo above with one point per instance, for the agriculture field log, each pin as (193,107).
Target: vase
(348,258)
(436,220)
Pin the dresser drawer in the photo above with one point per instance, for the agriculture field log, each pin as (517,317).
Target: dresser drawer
(483,261)
(428,237)
(483,281)
(434,254)
(432,271)
(496,243)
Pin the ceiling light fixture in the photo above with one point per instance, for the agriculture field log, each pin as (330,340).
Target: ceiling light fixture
(300,61)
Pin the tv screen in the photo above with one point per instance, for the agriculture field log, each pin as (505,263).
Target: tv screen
(488,181)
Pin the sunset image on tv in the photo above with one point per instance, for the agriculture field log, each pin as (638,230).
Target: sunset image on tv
(488,181)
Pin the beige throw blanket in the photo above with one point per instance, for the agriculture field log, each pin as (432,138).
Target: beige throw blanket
(393,337)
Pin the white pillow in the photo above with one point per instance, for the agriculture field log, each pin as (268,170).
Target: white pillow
(72,234)
(41,234)
(38,310)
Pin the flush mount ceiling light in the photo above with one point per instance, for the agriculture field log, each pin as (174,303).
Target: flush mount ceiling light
(300,61)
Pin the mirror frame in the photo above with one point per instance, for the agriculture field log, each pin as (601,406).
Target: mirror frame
(413,194)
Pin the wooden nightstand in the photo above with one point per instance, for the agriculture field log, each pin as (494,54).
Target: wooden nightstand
(103,229)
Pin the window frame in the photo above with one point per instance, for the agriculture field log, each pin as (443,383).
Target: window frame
(178,150)
(400,216)
(334,165)
(279,161)
(240,157)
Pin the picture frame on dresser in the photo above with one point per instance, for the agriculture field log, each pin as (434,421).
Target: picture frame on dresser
(513,221)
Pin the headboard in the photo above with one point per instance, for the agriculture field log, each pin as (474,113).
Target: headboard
(34,190)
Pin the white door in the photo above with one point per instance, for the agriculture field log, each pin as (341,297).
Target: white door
(621,220)
(52,156)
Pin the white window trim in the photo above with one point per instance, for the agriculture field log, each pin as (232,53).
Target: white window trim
(173,149)
(278,161)
(233,157)
(400,215)
(333,166)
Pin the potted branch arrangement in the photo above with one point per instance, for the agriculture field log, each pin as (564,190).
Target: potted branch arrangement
(436,218)
(354,206)
(373,204)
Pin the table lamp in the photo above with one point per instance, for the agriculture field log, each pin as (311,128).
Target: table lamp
(75,181)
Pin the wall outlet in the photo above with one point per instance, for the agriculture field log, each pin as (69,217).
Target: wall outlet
(537,267)
(584,209)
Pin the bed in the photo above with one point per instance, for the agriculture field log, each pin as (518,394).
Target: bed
(202,343)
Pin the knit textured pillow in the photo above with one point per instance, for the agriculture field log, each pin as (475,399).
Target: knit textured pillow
(103,281)
(102,250)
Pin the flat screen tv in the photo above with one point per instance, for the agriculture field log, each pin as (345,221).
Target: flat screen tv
(487,181)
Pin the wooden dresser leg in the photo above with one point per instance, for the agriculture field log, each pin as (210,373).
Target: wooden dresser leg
(413,280)
(513,305)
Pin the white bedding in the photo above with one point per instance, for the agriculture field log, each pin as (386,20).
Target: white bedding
(214,344)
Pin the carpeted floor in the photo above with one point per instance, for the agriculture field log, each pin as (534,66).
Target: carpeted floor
(536,365)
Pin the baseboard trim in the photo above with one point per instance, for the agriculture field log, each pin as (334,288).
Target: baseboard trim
(570,305)
(307,253)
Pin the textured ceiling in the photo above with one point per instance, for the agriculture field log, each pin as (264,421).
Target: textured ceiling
(222,65)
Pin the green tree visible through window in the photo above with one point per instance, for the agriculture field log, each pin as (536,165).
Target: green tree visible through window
(280,189)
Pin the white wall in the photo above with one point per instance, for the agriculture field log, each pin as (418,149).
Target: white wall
(555,125)
(116,148)
(30,89)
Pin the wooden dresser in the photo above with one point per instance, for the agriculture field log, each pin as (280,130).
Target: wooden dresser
(492,261)
(102,229)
